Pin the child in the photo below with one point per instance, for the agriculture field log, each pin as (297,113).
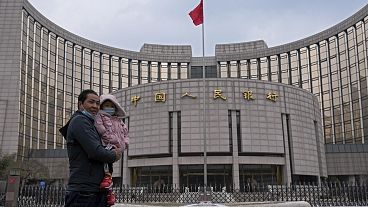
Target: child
(114,134)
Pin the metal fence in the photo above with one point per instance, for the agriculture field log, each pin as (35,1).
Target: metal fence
(2,199)
(33,195)
(332,194)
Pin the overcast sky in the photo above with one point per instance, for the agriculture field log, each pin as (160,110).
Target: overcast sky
(128,24)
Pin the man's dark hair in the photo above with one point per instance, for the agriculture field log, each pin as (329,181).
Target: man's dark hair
(83,95)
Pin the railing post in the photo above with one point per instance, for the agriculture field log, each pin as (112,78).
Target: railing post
(366,194)
(316,193)
(338,193)
(344,194)
(291,191)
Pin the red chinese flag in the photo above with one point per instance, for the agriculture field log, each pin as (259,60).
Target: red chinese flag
(197,14)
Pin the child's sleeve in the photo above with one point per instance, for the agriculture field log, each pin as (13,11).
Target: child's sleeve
(125,133)
(100,125)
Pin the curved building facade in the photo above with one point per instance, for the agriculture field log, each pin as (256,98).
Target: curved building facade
(44,67)
(269,132)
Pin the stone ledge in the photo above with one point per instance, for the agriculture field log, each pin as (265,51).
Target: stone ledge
(273,204)
(248,204)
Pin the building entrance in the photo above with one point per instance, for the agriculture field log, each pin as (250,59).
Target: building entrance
(218,176)
(251,176)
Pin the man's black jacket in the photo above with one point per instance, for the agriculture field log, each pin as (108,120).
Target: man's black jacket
(86,153)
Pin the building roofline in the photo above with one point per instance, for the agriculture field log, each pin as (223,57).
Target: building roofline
(183,55)
(323,35)
(95,46)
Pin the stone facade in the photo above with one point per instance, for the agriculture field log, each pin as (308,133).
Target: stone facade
(264,137)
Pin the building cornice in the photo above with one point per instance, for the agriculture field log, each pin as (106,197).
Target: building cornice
(183,54)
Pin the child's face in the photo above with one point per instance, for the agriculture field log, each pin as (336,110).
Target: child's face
(107,104)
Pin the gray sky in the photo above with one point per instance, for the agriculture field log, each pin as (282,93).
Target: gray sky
(128,24)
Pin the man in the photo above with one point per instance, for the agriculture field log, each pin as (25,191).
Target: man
(86,155)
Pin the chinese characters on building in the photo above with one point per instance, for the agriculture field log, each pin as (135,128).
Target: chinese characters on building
(272,96)
(248,95)
(187,94)
(135,100)
(217,94)
(160,97)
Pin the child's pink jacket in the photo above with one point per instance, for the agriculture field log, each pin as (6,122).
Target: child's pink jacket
(111,128)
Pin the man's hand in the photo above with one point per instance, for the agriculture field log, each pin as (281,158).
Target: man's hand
(118,153)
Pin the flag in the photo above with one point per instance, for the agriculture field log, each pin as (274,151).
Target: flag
(197,14)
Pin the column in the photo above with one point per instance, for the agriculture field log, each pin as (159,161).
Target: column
(235,151)
(125,174)
(287,169)
(175,157)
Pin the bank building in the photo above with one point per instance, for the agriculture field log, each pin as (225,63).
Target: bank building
(297,112)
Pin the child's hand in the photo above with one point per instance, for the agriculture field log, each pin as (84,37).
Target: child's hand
(109,146)
(118,153)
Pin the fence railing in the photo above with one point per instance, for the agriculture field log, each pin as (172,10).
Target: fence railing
(33,195)
(332,194)
(2,199)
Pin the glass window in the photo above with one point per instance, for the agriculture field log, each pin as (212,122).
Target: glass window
(254,66)
(96,71)
(135,72)
(51,91)
(342,50)
(314,70)
(69,68)
(354,76)
(244,69)
(43,79)
(274,68)
(191,176)
(304,68)
(153,176)
(174,71)
(164,71)
(124,72)
(294,67)
(183,70)
(357,122)
(154,71)
(144,72)
(105,74)
(115,73)
(264,68)
(233,69)
(224,69)
(250,176)
(284,59)
(86,70)
(219,176)
(338,125)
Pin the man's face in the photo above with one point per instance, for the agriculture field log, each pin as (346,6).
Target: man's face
(91,104)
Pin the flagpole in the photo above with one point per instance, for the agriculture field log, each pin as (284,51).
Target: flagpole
(204,110)
(197,15)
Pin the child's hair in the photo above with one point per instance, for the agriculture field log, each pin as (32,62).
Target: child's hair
(102,104)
